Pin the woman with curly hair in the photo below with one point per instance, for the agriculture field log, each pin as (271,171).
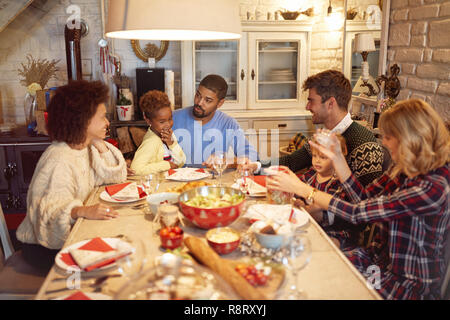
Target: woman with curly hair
(159,150)
(77,160)
(410,200)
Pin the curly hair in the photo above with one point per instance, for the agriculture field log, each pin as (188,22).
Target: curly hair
(215,83)
(71,109)
(331,83)
(152,101)
(423,139)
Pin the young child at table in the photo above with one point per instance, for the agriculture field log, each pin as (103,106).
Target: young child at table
(321,176)
(159,150)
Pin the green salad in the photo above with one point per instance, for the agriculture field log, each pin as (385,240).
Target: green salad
(213,201)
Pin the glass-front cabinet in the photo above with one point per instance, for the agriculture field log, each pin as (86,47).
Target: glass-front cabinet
(277,68)
(264,69)
(225,58)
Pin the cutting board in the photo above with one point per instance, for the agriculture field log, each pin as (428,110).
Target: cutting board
(225,268)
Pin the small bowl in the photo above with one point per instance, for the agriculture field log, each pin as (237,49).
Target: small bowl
(168,242)
(225,246)
(156,199)
(273,241)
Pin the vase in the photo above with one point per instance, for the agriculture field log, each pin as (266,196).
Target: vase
(30,105)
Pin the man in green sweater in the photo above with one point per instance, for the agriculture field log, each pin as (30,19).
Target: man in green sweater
(328,99)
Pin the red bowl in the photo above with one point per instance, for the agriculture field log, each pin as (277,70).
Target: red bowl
(168,242)
(215,217)
(222,246)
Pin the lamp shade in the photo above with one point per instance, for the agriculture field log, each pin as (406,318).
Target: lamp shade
(173,19)
(364,42)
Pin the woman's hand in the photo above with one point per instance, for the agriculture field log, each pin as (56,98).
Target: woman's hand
(98,211)
(286,181)
(166,136)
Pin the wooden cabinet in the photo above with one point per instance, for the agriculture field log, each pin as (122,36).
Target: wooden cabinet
(265,70)
(19,155)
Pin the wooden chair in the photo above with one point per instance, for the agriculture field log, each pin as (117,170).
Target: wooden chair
(18,279)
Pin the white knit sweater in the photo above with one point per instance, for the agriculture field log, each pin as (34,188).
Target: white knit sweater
(62,180)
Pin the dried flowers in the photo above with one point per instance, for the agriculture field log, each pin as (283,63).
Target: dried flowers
(36,73)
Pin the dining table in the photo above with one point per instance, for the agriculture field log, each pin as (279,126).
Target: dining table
(329,275)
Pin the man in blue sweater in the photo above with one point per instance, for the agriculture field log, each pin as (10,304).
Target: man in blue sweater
(202,129)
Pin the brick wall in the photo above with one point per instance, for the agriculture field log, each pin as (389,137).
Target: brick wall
(39,30)
(419,42)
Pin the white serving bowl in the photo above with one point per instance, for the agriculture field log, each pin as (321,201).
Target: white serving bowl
(156,199)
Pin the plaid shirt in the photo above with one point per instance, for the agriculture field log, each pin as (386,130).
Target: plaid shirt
(415,216)
(344,231)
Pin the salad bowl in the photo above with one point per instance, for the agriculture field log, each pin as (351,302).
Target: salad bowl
(210,207)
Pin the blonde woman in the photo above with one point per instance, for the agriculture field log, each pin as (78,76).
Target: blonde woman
(410,200)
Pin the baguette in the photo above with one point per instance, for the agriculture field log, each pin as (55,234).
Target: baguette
(225,269)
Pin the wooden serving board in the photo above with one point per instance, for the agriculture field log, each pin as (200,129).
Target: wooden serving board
(225,268)
(274,281)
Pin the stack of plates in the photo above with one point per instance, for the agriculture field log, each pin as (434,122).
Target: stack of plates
(281,75)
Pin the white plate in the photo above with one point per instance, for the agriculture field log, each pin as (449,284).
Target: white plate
(90,295)
(113,242)
(187,174)
(106,197)
(274,212)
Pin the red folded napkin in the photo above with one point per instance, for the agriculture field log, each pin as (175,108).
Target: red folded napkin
(98,245)
(171,172)
(68,260)
(78,296)
(113,189)
(200,170)
(261,180)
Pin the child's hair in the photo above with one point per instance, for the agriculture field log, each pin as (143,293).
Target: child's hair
(423,139)
(341,141)
(152,101)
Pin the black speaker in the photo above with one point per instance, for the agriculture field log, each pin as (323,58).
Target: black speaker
(148,79)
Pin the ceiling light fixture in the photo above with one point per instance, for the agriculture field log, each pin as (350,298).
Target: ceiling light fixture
(173,19)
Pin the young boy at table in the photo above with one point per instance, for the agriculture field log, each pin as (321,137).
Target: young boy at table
(322,176)
(159,150)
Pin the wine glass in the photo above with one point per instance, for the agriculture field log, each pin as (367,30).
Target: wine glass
(245,177)
(219,163)
(132,264)
(296,255)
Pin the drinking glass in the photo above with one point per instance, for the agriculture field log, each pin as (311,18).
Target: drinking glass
(133,263)
(296,255)
(245,175)
(219,163)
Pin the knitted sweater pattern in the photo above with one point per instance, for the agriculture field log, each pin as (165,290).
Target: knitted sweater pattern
(62,180)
